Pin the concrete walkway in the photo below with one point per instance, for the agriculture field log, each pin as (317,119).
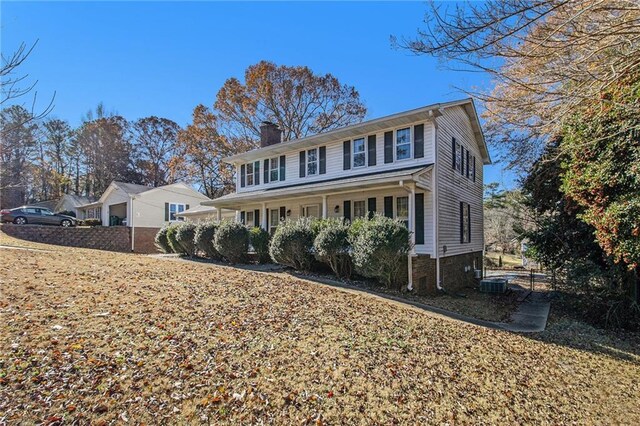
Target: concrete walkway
(530,316)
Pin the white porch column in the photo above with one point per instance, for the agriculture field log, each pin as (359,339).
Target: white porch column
(324,206)
(412,216)
(237,215)
(218,214)
(263,217)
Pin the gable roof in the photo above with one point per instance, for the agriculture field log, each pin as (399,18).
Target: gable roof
(131,188)
(371,126)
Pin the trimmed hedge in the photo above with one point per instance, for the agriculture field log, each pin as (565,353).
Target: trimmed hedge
(292,243)
(379,249)
(231,240)
(171,238)
(203,239)
(332,246)
(185,231)
(91,222)
(259,239)
(162,241)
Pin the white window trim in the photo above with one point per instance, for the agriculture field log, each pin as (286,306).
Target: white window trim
(277,169)
(353,152)
(317,161)
(395,144)
(306,206)
(248,222)
(246,174)
(353,208)
(273,225)
(395,208)
(177,219)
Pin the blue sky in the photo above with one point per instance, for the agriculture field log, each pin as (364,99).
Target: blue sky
(164,58)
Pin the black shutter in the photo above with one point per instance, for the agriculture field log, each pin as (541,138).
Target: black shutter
(242,168)
(474,169)
(267,220)
(388,207)
(283,213)
(256,218)
(347,210)
(418,141)
(186,206)
(242,218)
(469,222)
(371,206)
(323,159)
(371,147)
(283,166)
(419,218)
(346,155)
(462,160)
(302,163)
(266,171)
(388,147)
(256,173)
(467,165)
(461,223)
(453,152)
(166,212)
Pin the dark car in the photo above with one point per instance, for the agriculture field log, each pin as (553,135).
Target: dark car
(35,215)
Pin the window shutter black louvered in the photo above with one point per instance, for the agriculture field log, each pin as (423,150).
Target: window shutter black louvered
(266,171)
(256,172)
(453,152)
(302,163)
(283,166)
(474,168)
(186,206)
(419,215)
(283,213)
(322,152)
(418,141)
(256,218)
(388,147)
(166,212)
(467,165)
(267,219)
(347,210)
(461,160)
(388,207)
(371,206)
(346,155)
(371,148)
(242,172)
(469,222)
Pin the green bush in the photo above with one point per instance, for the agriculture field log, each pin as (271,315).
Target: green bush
(203,239)
(172,228)
(292,244)
(91,222)
(231,240)
(332,247)
(185,231)
(161,240)
(379,249)
(260,241)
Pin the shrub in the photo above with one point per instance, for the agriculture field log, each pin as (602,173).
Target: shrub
(92,222)
(185,231)
(333,247)
(68,213)
(203,239)
(260,242)
(171,238)
(292,243)
(161,240)
(379,249)
(231,240)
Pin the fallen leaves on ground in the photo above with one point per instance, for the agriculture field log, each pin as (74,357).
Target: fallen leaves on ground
(91,336)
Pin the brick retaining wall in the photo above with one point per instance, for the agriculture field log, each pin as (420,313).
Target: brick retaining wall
(115,238)
(145,240)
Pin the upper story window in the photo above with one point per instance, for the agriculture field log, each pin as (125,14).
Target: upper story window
(463,161)
(403,144)
(312,162)
(250,174)
(458,155)
(359,153)
(274,166)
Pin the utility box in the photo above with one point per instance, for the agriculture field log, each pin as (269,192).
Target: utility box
(493,285)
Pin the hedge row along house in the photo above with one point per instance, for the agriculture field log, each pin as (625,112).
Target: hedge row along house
(423,166)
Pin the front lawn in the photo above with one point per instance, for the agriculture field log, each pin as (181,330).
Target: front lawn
(101,337)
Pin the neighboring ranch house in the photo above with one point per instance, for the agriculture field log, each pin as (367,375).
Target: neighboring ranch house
(423,166)
(72,203)
(202,213)
(143,209)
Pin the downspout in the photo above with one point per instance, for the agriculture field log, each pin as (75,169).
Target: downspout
(133,229)
(436,202)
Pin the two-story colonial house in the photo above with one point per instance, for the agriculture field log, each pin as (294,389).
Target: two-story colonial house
(422,166)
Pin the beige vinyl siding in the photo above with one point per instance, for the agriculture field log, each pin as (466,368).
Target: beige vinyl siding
(454,187)
(148,207)
(334,161)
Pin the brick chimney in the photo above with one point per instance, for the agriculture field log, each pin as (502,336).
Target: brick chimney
(270,134)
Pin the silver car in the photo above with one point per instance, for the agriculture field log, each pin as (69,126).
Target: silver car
(37,216)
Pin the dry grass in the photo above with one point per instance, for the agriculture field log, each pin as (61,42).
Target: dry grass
(97,337)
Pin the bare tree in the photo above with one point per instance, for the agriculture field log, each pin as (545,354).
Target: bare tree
(546,57)
(155,140)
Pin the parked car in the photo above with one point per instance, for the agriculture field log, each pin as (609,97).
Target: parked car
(35,215)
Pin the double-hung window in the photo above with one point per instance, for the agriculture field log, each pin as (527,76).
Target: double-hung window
(359,153)
(359,209)
(274,219)
(250,174)
(458,155)
(403,144)
(402,210)
(248,218)
(274,168)
(175,208)
(312,162)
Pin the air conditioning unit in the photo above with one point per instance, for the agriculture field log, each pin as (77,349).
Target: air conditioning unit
(493,285)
